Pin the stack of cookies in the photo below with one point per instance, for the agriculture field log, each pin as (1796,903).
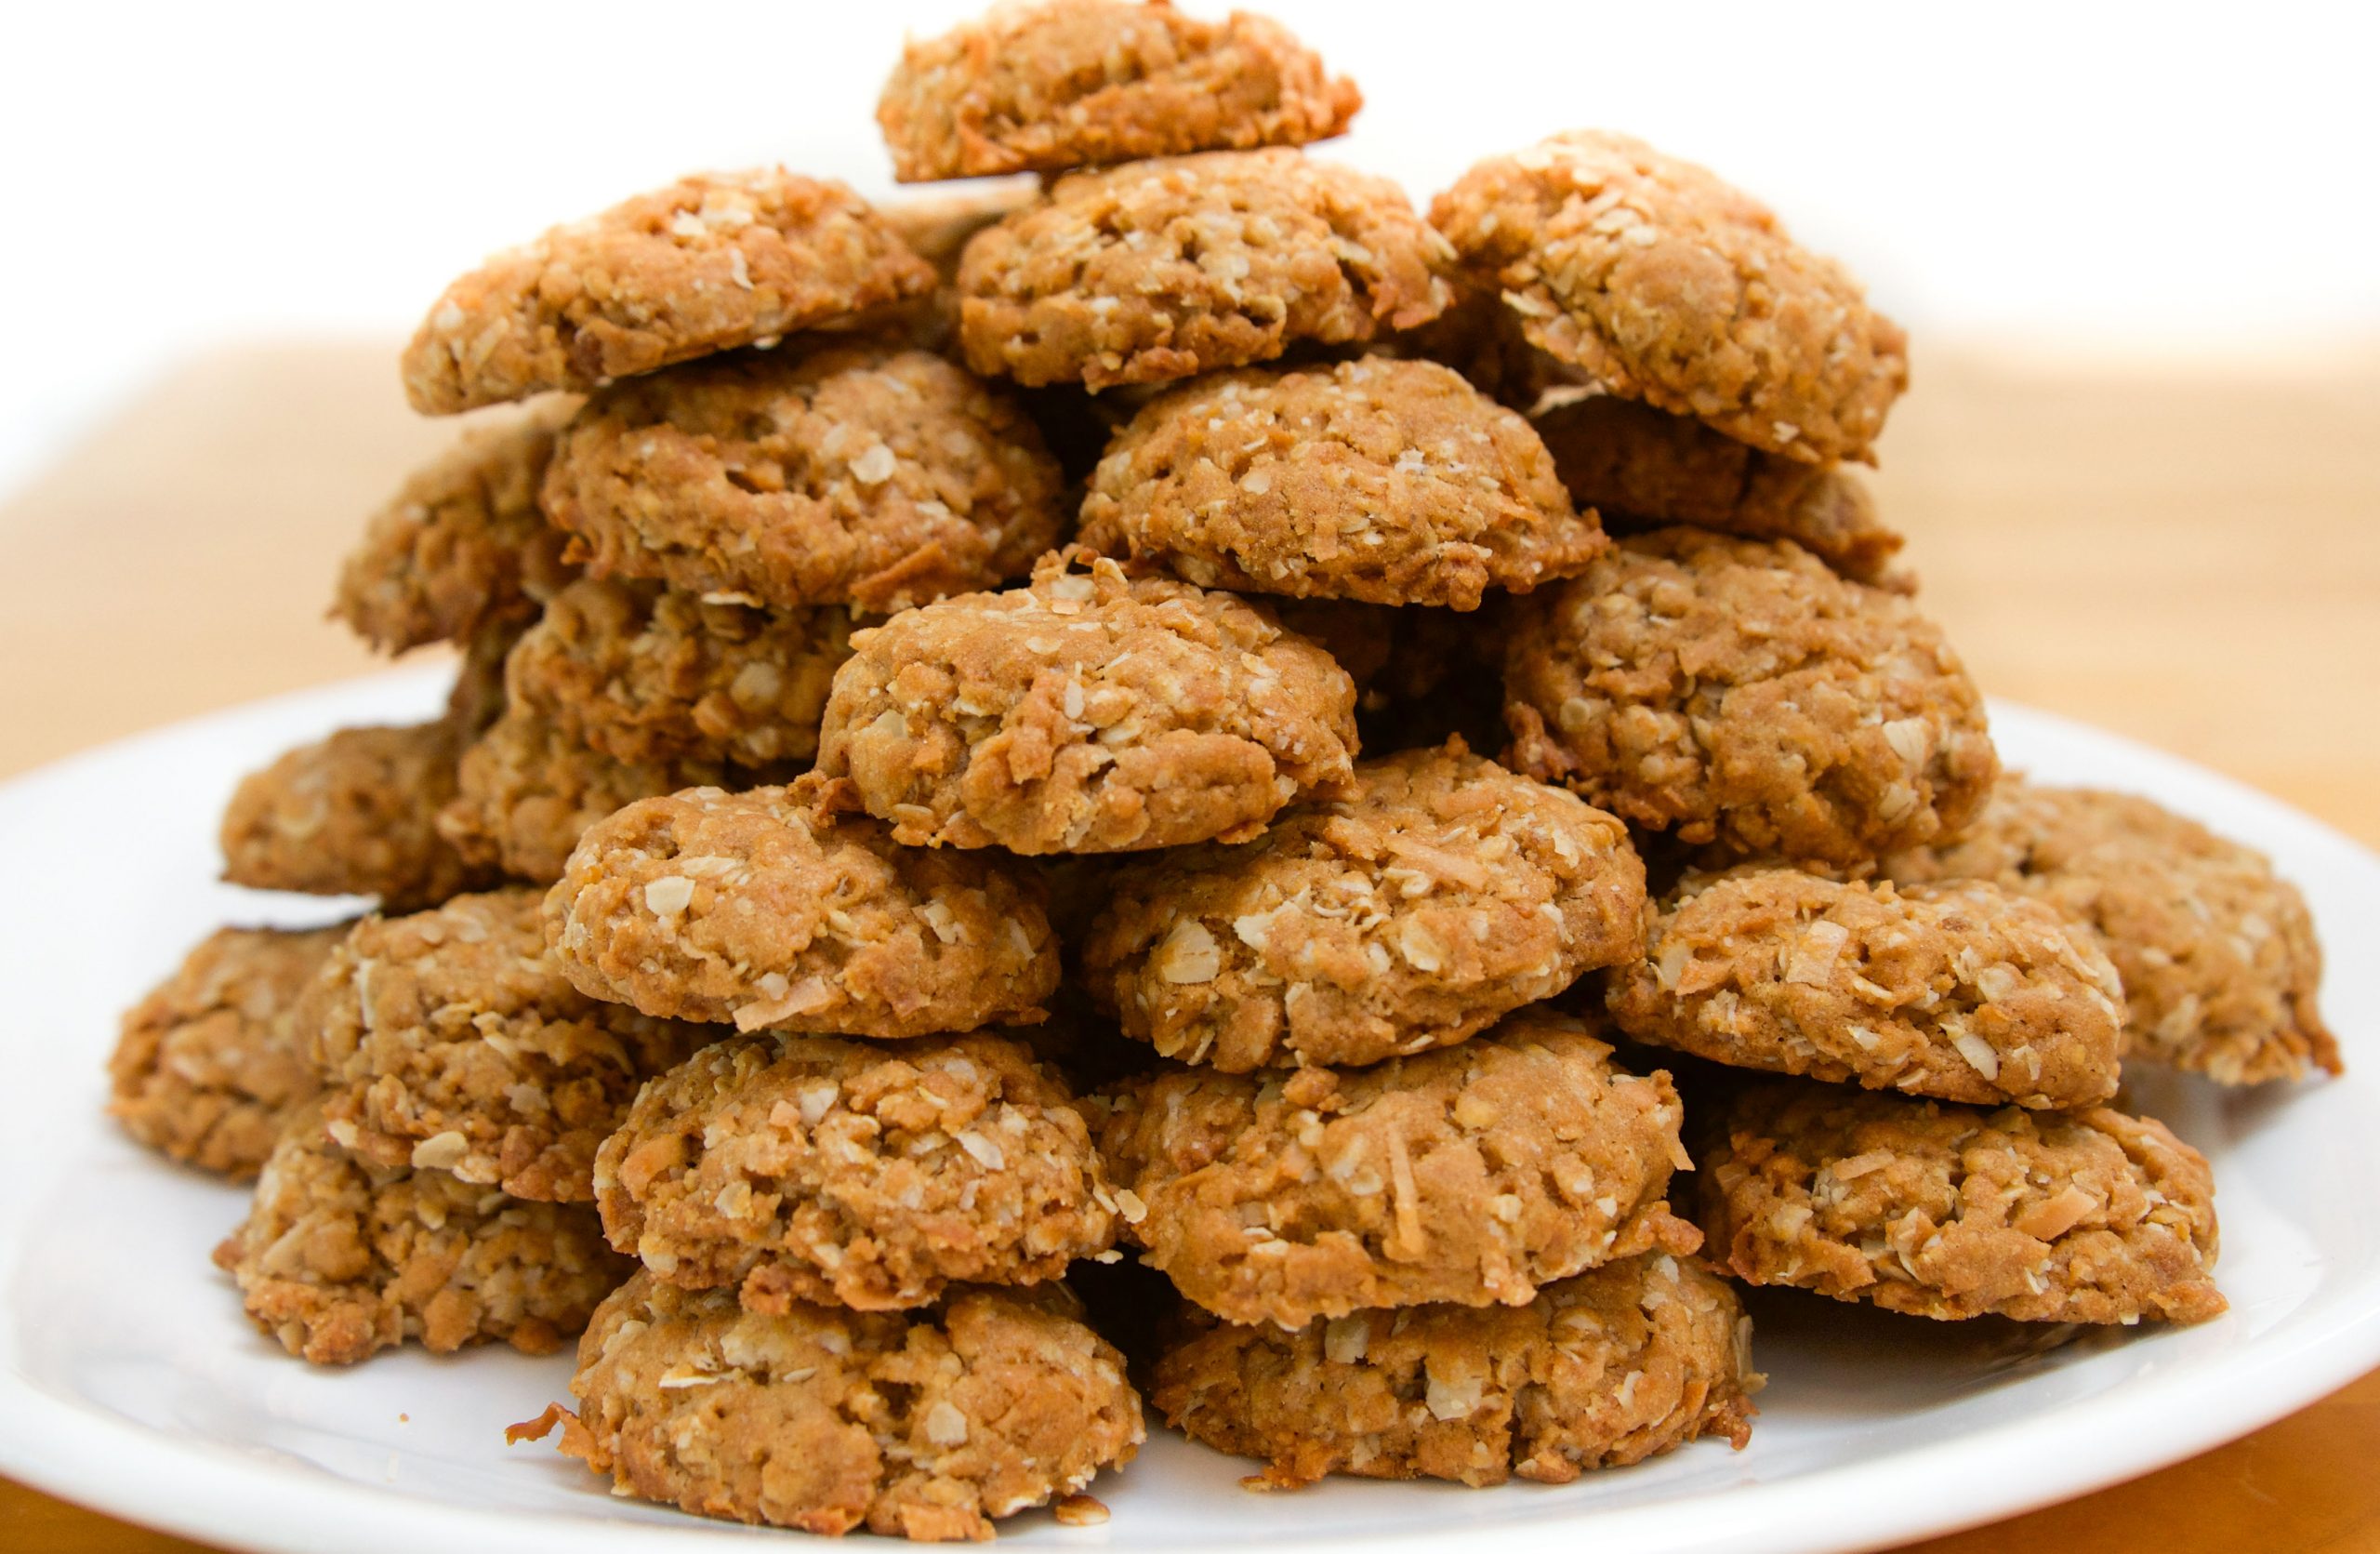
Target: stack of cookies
(970,756)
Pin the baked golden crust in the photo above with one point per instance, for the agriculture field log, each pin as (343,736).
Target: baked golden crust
(1086,713)
(714,261)
(1448,893)
(451,1041)
(1951,1211)
(1737,691)
(207,1069)
(1472,1174)
(2220,966)
(1958,990)
(873,475)
(765,911)
(1378,478)
(462,543)
(1158,270)
(353,814)
(338,1260)
(799,1168)
(923,1425)
(1660,283)
(1604,1369)
(646,674)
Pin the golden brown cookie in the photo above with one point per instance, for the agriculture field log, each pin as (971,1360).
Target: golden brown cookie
(1472,1174)
(714,261)
(1158,270)
(1086,714)
(1448,893)
(1959,990)
(925,1425)
(208,1069)
(872,475)
(1600,1370)
(338,1260)
(462,542)
(1737,691)
(2221,969)
(353,814)
(767,912)
(1069,84)
(1951,1211)
(646,674)
(1660,283)
(451,1040)
(1376,479)
(799,1168)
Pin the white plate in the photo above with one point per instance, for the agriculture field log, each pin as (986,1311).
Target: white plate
(130,1381)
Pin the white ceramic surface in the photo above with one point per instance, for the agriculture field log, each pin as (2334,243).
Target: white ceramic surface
(130,1381)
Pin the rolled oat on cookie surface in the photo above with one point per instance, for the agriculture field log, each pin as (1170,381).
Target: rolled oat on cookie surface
(355,814)
(767,910)
(1087,712)
(713,261)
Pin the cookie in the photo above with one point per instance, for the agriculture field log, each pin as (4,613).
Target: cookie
(1604,1369)
(925,1425)
(1660,283)
(764,911)
(462,543)
(2221,969)
(338,1260)
(1737,691)
(648,675)
(1089,83)
(1086,714)
(451,1041)
(1960,991)
(1642,468)
(1948,1211)
(208,1067)
(1158,270)
(1472,1174)
(1447,893)
(800,1168)
(872,475)
(1378,478)
(352,815)
(714,261)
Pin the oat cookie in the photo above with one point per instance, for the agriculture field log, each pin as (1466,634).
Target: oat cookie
(873,475)
(1642,468)
(462,542)
(338,1260)
(2221,969)
(1445,894)
(208,1069)
(924,1425)
(1607,1368)
(1376,479)
(766,910)
(1959,990)
(451,1040)
(1087,713)
(1472,1174)
(1158,270)
(646,674)
(798,1168)
(714,261)
(1951,1211)
(352,815)
(1737,691)
(1660,283)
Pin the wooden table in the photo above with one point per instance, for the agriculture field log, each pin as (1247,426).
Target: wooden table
(2190,555)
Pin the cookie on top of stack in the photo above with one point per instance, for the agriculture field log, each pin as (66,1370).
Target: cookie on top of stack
(859,600)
